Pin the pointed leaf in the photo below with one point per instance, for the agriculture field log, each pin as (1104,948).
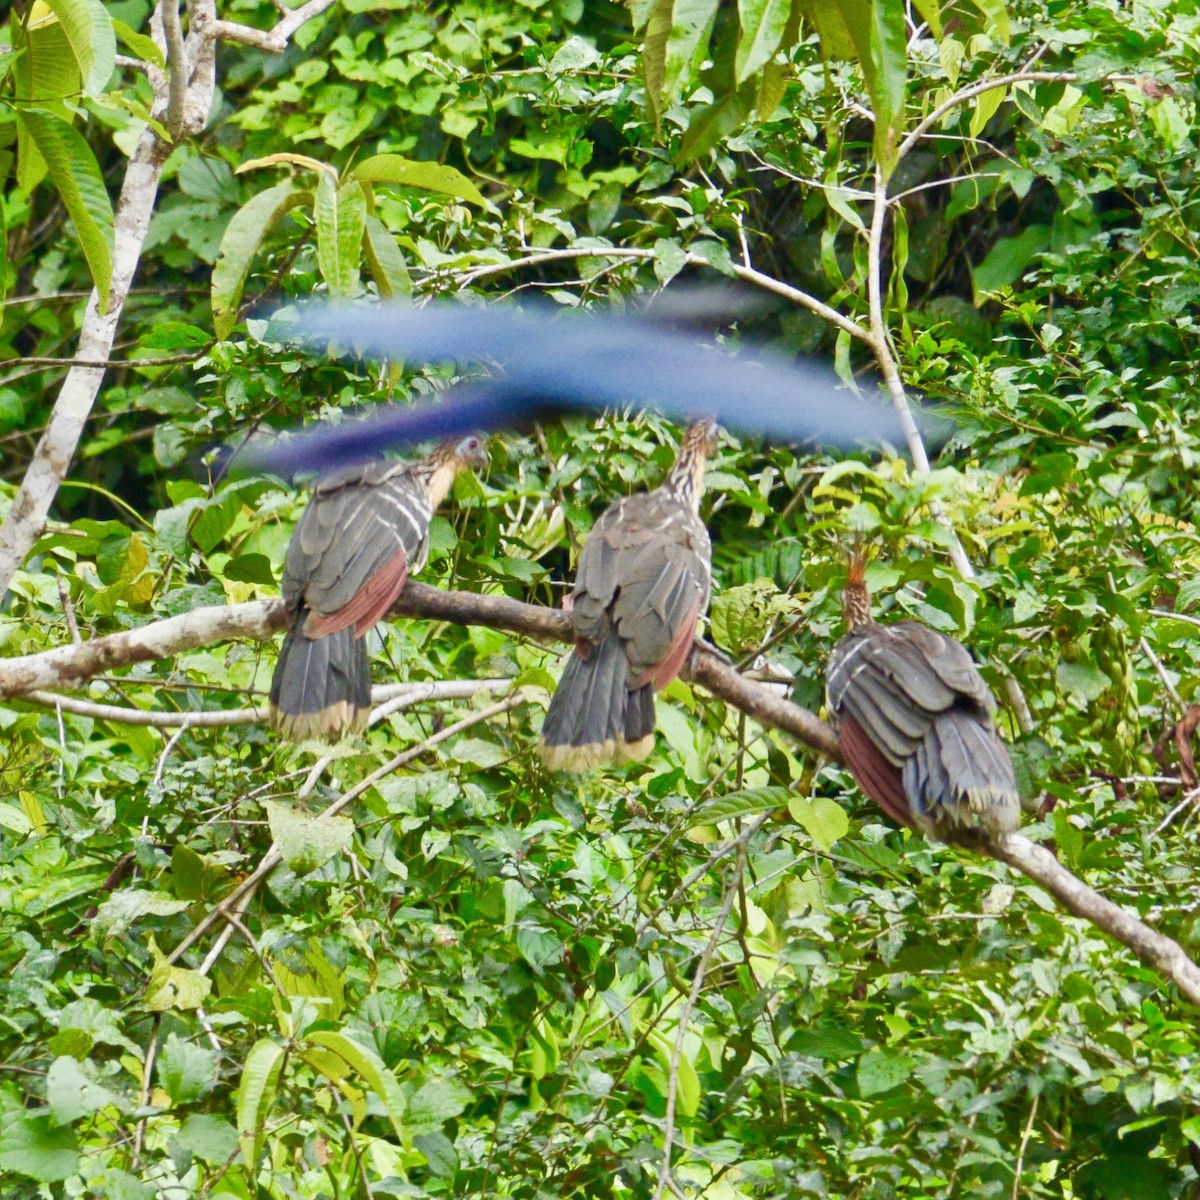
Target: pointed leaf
(89,30)
(654,54)
(877,27)
(691,24)
(762,26)
(73,171)
(341,214)
(243,236)
(745,803)
(824,820)
(71,1094)
(142,47)
(31,1146)
(385,260)
(369,1066)
(428,176)
(256,1094)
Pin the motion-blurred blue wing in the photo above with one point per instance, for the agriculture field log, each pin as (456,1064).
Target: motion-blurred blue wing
(469,408)
(595,360)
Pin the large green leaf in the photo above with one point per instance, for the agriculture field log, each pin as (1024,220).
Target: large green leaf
(256,1095)
(89,30)
(762,26)
(877,27)
(31,1146)
(369,1067)
(74,172)
(687,43)
(341,214)
(385,260)
(44,73)
(243,236)
(428,176)
(307,842)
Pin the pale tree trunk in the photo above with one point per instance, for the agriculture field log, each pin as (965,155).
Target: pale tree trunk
(182,100)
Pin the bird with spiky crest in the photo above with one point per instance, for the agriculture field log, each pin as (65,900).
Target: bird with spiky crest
(915,724)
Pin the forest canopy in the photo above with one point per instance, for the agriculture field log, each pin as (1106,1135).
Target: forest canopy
(418,963)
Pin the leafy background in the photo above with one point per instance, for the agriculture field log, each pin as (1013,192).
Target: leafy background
(495,981)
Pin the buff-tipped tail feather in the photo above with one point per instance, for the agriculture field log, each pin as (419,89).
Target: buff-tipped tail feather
(594,718)
(321,687)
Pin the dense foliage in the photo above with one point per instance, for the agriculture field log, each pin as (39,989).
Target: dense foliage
(501,982)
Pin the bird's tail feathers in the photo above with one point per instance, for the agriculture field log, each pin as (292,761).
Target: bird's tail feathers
(594,718)
(321,687)
(961,778)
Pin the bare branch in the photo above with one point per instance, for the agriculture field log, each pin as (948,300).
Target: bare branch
(177,65)
(259,620)
(274,41)
(390,698)
(977,89)
(1159,953)
(749,274)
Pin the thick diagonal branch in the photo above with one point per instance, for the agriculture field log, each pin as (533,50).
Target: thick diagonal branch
(71,665)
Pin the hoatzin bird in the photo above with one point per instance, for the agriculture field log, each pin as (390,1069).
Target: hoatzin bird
(914,721)
(550,363)
(642,584)
(365,530)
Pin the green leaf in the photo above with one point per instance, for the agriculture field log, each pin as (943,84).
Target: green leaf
(882,1070)
(211,1139)
(997,23)
(76,176)
(654,54)
(250,568)
(72,1094)
(89,31)
(307,842)
(385,260)
(341,215)
(689,1092)
(434,1103)
(185,1069)
(256,1095)
(687,43)
(428,176)
(669,259)
(1082,679)
(762,25)
(369,1067)
(986,105)
(122,908)
(171,987)
(746,803)
(877,27)
(31,1146)
(243,236)
(1007,260)
(142,47)
(824,820)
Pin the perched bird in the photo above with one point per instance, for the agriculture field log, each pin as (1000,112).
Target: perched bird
(642,584)
(550,362)
(365,530)
(914,721)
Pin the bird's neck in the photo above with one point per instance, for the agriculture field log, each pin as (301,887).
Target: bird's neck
(856,605)
(437,477)
(685,480)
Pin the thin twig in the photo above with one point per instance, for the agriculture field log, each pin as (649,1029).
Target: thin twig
(731,891)
(273,858)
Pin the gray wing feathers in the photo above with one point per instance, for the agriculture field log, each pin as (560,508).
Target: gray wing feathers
(356,521)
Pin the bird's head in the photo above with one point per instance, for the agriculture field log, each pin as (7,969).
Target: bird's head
(464,452)
(702,436)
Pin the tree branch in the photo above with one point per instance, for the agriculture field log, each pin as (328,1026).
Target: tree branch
(274,41)
(67,665)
